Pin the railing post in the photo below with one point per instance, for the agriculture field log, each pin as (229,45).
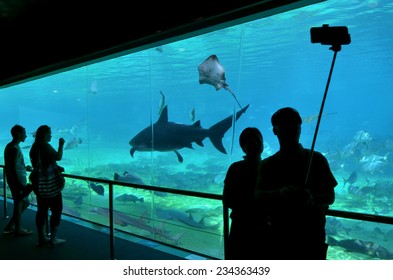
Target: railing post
(111,223)
(226,230)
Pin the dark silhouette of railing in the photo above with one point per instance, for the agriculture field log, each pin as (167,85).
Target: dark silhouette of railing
(112,183)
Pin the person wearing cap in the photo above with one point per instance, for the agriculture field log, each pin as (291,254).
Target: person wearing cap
(293,195)
(238,195)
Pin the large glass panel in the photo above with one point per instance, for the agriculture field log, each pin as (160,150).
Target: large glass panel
(269,63)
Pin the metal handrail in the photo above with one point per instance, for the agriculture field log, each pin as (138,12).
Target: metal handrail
(111,183)
(361,216)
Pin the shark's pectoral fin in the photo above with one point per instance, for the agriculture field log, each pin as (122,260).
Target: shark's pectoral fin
(199,143)
(132,151)
(179,157)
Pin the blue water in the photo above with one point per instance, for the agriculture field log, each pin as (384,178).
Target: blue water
(269,63)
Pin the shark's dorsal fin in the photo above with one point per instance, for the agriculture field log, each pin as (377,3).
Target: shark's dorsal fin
(197,124)
(164,115)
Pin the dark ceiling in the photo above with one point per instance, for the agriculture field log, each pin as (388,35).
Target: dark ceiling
(38,36)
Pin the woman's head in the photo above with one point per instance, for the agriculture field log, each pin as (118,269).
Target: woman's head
(251,141)
(43,134)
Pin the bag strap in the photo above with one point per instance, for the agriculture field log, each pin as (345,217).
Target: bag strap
(39,162)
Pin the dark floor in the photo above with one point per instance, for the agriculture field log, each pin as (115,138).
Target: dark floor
(83,243)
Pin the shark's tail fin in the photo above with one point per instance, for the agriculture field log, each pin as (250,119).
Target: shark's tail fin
(217,131)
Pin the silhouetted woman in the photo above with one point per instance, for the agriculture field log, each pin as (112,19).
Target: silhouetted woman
(42,153)
(238,195)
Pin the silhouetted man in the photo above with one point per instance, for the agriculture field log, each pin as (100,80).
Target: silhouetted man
(294,212)
(15,170)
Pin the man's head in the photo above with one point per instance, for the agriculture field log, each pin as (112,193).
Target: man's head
(287,126)
(18,133)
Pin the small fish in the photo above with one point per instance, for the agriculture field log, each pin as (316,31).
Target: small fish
(362,136)
(192,115)
(98,189)
(129,197)
(351,179)
(374,166)
(310,119)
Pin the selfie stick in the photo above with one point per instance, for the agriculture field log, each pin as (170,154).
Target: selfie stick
(336,49)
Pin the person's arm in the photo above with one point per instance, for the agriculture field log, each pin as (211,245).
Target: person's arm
(227,195)
(324,194)
(60,149)
(324,199)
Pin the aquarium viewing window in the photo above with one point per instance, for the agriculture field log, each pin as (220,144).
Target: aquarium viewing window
(108,110)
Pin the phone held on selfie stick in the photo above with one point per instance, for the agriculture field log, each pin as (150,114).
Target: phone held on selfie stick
(335,36)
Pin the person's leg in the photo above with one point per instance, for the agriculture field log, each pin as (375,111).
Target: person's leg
(10,227)
(23,203)
(40,220)
(56,206)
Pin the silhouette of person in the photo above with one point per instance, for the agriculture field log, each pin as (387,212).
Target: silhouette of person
(43,151)
(15,170)
(238,195)
(295,210)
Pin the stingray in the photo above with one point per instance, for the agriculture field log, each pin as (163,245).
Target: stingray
(213,73)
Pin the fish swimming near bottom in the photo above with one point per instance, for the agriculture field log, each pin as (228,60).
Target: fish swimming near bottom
(168,136)
(128,177)
(129,197)
(363,247)
(124,220)
(175,215)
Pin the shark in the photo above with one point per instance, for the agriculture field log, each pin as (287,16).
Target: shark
(363,247)
(175,215)
(166,136)
(124,220)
